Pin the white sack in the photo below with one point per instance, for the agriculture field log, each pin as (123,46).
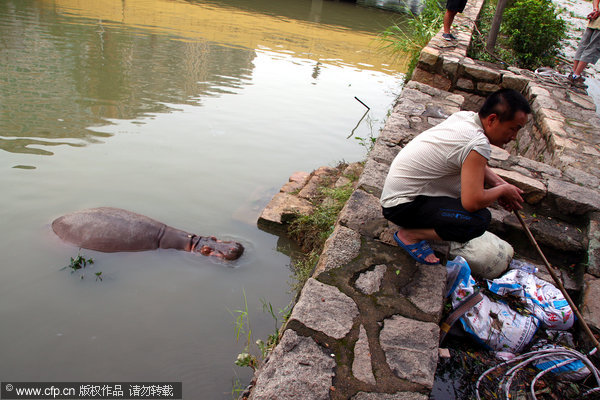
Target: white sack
(487,255)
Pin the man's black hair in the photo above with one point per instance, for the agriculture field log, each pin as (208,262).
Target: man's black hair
(504,103)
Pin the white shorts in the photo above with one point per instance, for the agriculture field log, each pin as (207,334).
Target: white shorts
(589,46)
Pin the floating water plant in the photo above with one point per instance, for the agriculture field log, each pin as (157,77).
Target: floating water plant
(80,262)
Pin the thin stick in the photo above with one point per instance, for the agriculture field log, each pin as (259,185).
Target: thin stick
(368,108)
(585,326)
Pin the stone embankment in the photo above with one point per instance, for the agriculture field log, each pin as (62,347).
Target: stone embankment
(365,325)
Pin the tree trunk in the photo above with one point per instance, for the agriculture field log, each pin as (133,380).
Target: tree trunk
(495,28)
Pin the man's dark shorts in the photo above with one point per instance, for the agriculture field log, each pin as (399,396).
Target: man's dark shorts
(456,5)
(445,215)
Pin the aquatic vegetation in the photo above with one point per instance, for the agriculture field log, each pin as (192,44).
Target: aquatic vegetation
(79,263)
(244,330)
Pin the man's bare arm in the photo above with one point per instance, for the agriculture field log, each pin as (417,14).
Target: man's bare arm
(492,178)
(474,196)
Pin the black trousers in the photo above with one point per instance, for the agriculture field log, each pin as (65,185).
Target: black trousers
(445,215)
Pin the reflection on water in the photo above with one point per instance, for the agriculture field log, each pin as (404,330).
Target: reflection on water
(120,60)
(85,72)
(409,6)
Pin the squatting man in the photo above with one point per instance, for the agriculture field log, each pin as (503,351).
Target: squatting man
(440,184)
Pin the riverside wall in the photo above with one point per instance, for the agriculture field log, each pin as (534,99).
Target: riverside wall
(365,325)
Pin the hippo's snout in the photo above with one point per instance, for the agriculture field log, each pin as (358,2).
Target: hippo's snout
(211,246)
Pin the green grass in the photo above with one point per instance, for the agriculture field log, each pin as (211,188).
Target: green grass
(311,231)
(243,332)
(410,39)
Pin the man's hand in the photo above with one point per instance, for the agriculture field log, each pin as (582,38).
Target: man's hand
(593,15)
(511,199)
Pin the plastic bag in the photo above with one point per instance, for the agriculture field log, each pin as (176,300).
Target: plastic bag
(493,324)
(542,298)
(575,370)
(498,327)
(457,272)
(460,284)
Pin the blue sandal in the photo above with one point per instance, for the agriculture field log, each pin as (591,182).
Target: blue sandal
(419,251)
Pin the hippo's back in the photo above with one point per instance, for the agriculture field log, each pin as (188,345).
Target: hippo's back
(109,229)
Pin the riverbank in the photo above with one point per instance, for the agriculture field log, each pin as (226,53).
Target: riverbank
(366,323)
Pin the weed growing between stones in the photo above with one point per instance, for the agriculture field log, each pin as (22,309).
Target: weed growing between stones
(273,338)
(311,231)
(367,142)
(302,270)
(243,331)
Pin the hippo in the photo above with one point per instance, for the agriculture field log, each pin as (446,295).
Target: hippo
(110,230)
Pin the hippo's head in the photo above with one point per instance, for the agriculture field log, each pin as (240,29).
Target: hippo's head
(211,246)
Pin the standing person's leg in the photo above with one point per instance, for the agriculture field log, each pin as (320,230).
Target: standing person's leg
(588,51)
(453,7)
(448,19)
(580,67)
(575,65)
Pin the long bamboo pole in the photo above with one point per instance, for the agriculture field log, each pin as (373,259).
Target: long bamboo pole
(585,326)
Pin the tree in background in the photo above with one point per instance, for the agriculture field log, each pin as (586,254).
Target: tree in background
(534,32)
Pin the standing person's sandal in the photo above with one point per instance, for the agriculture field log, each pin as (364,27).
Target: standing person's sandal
(419,251)
(578,82)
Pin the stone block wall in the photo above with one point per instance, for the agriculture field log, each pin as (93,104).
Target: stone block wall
(365,326)
(563,132)
(352,332)
(560,146)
